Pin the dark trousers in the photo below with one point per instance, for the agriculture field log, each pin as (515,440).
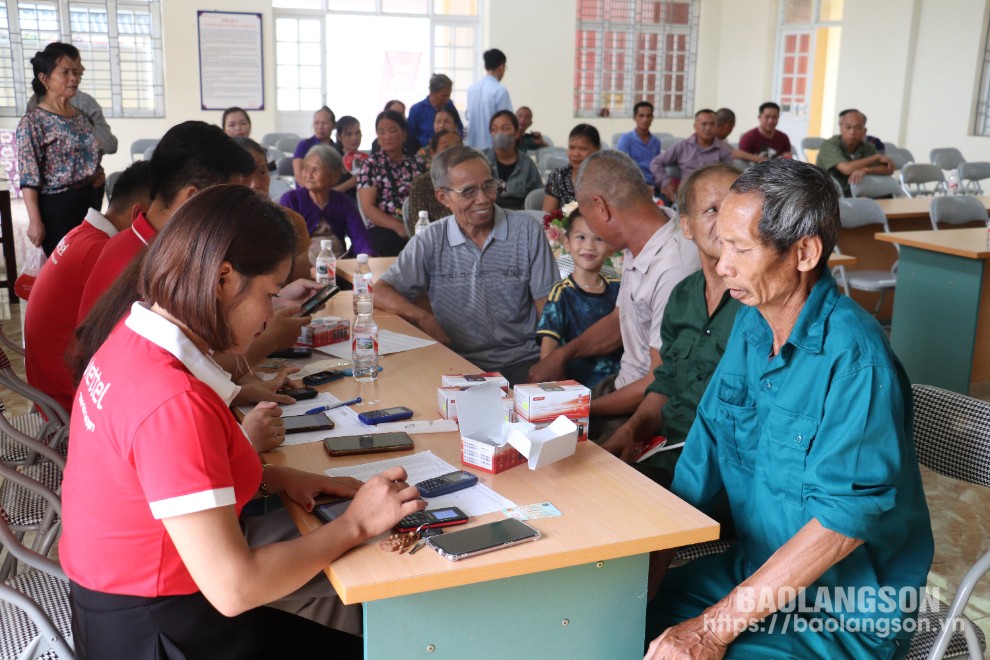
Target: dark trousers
(112,626)
(61,212)
(386,242)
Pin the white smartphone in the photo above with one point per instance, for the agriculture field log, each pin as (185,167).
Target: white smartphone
(483,538)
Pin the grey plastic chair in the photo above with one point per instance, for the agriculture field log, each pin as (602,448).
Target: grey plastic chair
(946,158)
(859,212)
(810,143)
(277,187)
(287,145)
(284,166)
(139,147)
(272,155)
(915,178)
(952,437)
(877,185)
(970,175)
(270,139)
(111,182)
(35,618)
(615,140)
(900,157)
(887,146)
(534,200)
(956,210)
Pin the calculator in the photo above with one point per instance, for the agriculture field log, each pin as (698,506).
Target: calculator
(447,483)
(446,517)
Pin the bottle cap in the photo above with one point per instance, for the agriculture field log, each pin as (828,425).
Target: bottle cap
(362,258)
(424,215)
(326,244)
(364,307)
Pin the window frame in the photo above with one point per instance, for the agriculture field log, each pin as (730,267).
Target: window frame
(21,76)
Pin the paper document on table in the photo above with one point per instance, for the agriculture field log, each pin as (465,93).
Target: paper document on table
(345,420)
(474,501)
(388,342)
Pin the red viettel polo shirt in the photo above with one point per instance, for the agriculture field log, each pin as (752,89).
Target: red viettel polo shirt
(116,255)
(50,319)
(152,437)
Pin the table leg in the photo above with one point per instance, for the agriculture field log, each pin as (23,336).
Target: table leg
(588,611)
(936,317)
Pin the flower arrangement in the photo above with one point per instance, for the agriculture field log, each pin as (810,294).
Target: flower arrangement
(553,226)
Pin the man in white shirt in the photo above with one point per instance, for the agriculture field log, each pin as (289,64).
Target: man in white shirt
(485,98)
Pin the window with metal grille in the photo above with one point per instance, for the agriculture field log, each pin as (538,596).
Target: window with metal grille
(634,50)
(119,43)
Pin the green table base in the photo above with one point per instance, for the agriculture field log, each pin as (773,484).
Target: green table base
(936,309)
(581,612)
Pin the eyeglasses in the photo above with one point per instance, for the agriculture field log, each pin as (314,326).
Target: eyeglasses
(489,188)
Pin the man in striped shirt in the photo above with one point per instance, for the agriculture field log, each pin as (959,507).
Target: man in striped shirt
(484,272)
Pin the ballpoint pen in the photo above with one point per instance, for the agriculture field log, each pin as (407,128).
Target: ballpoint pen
(331,406)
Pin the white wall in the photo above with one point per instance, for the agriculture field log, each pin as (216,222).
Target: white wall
(912,66)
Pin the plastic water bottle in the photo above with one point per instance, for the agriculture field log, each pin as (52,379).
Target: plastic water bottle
(423,222)
(326,264)
(364,345)
(363,288)
(952,183)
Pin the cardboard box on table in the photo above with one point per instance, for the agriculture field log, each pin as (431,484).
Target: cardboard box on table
(490,443)
(471,380)
(542,403)
(447,402)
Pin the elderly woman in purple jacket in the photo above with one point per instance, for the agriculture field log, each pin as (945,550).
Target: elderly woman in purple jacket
(328,213)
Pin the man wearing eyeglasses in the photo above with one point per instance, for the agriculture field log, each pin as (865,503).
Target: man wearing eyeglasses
(476,280)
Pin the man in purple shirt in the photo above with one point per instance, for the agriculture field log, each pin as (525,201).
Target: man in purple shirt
(700,149)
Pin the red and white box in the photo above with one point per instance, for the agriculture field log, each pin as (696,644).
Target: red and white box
(324,331)
(447,402)
(545,402)
(470,380)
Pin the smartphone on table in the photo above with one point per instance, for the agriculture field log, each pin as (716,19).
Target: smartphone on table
(322,377)
(368,443)
(383,415)
(330,511)
(301,423)
(483,538)
(300,393)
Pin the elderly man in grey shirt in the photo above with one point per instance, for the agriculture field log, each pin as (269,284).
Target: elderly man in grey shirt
(475,280)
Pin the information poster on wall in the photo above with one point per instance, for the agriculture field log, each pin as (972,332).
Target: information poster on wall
(231,62)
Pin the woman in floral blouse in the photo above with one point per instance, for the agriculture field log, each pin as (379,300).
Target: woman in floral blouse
(57,152)
(384,183)
(581,143)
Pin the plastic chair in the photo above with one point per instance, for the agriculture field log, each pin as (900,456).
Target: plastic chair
(270,139)
(149,152)
(551,158)
(859,212)
(813,143)
(111,182)
(615,140)
(35,618)
(139,147)
(277,187)
(287,145)
(534,200)
(272,155)
(946,158)
(970,175)
(877,185)
(284,166)
(887,146)
(900,157)
(956,210)
(915,178)
(952,437)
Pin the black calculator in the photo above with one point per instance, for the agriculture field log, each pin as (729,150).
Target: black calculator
(447,483)
(446,517)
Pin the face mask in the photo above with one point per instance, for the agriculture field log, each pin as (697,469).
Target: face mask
(503,140)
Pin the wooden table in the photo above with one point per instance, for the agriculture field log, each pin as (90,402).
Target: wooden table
(579,590)
(913,208)
(842,260)
(941,323)
(346,267)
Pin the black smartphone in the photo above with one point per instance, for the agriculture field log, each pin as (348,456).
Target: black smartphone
(483,538)
(329,511)
(321,377)
(318,298)
(301,423)
(294,352)
(367,443)
(300,394)
(432,518)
